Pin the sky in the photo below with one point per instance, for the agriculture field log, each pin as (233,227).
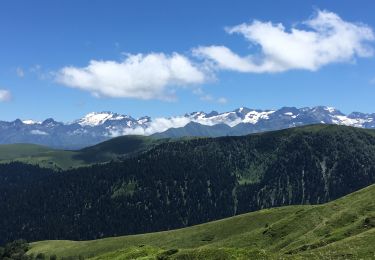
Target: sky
(64,59)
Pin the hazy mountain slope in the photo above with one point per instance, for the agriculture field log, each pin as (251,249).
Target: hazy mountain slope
(196,129)
(187,182)
(344,228)
(116,148)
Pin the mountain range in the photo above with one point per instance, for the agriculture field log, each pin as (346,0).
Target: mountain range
(100,126)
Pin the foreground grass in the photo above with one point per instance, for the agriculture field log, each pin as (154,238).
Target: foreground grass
(342,229)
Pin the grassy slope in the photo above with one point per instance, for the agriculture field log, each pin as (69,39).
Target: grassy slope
(36,154)
(344,228)
(10,151)
(47,157)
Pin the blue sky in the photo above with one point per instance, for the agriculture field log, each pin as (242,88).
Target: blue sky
(192,55)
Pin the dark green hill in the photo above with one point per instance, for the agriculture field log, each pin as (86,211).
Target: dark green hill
(117,148)
(342,229)
(187,182)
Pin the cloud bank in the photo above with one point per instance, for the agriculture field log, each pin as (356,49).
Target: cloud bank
(324,39)
(157,125)
(150,76)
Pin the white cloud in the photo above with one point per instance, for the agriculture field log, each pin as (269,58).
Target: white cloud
(5,95)
(222,100)
(20,73)
(36,68)
(325,39)
(150,76)
(162,124)
(156,126)
(41,73)
(210,98)
(207,97)
(225,59)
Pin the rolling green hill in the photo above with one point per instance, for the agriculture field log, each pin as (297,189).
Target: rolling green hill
(116,148)
(39,155)
(341,229)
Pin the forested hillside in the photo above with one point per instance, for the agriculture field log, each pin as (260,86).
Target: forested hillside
(177,184)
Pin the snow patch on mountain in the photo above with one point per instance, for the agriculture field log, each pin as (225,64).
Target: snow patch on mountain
(330,109)
(228,118)
(345,120)
(30,122)
(96,119)
(253,117)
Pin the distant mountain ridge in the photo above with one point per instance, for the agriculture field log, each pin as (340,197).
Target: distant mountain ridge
(100,126)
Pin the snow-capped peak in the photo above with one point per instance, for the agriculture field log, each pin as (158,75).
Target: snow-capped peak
(95,118)
(330,109)
(30,122)
(144,120)
(254,116)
